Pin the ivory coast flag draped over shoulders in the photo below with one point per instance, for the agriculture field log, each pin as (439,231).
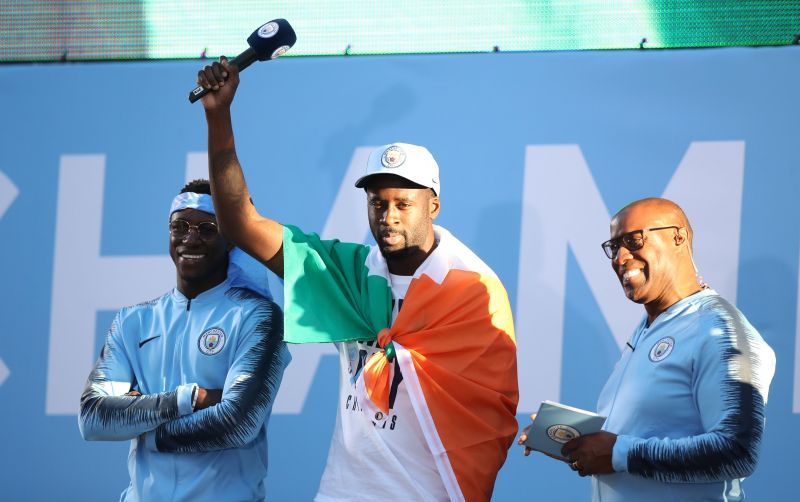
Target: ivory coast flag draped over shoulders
(453,338)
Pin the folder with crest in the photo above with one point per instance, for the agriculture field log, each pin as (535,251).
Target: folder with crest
(556,424)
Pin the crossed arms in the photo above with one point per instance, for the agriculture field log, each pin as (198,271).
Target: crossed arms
(109,412)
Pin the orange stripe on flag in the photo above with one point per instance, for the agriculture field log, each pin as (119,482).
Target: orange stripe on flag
(460,336)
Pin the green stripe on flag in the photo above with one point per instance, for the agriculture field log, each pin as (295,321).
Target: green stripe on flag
(329,295)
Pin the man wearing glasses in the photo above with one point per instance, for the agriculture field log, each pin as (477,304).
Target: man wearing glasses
(190,377)
(685,403)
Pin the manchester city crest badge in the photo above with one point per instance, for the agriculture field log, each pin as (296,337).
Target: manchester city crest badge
(394,156)
(211,341)
(562,433)
(662,349)
(268,30)
(280,51)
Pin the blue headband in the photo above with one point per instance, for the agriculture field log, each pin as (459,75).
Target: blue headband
(191,200)
(243,270)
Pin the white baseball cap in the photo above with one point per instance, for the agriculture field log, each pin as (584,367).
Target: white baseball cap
(412,162)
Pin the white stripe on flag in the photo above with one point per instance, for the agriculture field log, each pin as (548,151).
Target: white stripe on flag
(426,423)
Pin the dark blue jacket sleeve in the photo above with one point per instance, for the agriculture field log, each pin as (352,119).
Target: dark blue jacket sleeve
(732,373)
(106,413)
(250,389)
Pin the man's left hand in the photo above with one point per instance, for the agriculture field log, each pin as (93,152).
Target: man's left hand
(591,454)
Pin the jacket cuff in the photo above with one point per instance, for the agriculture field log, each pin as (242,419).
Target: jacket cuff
(185,398)
(619,455)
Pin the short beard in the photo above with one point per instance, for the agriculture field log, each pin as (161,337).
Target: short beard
(398,254)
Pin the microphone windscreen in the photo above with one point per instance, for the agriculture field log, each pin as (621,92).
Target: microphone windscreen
(272,39)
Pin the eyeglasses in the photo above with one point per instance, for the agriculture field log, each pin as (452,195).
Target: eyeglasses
(205,229)
(632,241)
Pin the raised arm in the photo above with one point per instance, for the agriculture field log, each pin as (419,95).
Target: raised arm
(237,218)
(250,389)
(109,413)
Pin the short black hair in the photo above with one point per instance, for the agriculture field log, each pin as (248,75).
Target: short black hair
(201,186)
(197,186)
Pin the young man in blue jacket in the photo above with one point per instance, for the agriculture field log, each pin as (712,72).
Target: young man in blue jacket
(190,377)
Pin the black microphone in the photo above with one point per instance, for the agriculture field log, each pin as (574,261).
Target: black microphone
(269,41)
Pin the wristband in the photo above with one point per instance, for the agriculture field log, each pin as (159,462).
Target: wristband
(195,392)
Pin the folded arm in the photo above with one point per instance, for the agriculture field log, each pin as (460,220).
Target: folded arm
(250,389)
(108,414)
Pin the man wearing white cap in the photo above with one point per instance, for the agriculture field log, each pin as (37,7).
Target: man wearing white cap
(190,377)
(428,388)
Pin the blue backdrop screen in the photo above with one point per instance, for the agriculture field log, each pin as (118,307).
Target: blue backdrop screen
(536,151)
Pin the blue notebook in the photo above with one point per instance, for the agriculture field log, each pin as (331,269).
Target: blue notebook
(555,424)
